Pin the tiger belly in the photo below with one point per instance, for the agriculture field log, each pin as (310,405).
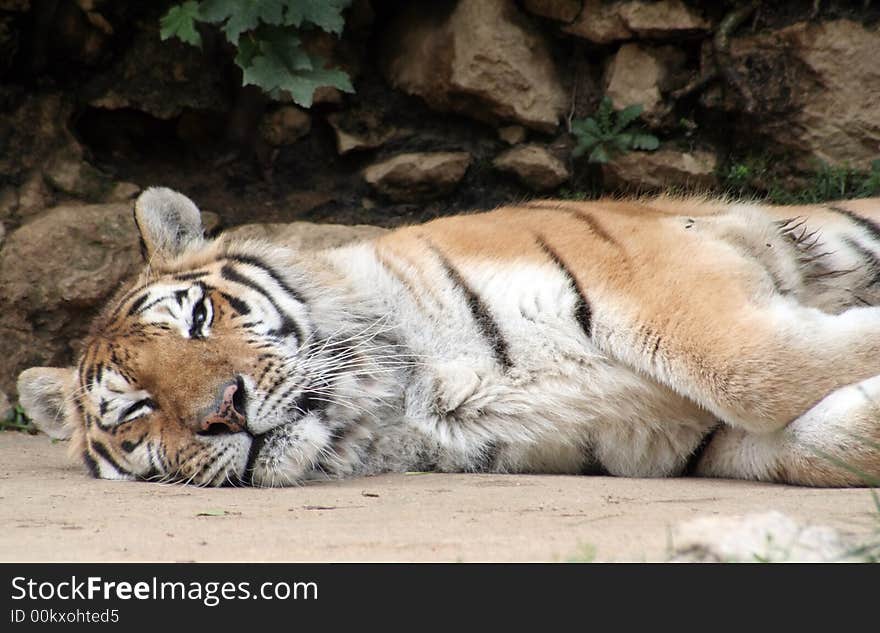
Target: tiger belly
(509,379)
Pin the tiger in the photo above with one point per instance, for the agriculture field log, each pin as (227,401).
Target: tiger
(648,337)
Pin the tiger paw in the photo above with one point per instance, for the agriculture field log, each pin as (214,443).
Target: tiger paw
(455,383)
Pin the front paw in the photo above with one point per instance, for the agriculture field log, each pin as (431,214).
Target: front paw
(454,385)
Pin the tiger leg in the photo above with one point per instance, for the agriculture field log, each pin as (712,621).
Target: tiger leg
(765,366)
(835,443)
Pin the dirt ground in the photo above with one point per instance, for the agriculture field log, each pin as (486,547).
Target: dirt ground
(51,511)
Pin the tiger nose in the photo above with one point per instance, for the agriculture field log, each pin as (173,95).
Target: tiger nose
(228,414)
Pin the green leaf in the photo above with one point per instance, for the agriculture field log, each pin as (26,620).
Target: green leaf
(589,140)
(599,155)
(179,22)
(239,17)
(270,73)
(586,126)
(579,150)
(604,115)
(267,35)
(326,14)
(645,141)
(628,115)
(248,48)
(303,85)
(621,142)
(286,47)
(212,513)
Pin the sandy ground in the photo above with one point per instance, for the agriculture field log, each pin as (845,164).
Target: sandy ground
(50,511)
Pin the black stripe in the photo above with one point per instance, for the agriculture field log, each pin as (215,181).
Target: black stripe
(150,475)
(871,260)
(137,304)
(236,304)
(693,461)
(144,308)
(582,311)
(271,389)
(479,311)
(101,450)
(259,263)
(253,452)
(190,276)
(865,223)
(487,459)
(656,348)
(126,298)
(308,401)
(91,464)
(82,412)
(145,402)
(592,467)
(595,227)
(128,446)
(90,376)
(288,325)
(270,366)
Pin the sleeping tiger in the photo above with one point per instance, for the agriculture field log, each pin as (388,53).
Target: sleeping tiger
(645,338)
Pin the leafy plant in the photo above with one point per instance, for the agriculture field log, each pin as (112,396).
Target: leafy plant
(586,553)
(870,186)
(268,36)
(16,420)
(754,175)
(608,133)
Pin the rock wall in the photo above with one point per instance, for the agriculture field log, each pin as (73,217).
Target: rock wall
(459,104)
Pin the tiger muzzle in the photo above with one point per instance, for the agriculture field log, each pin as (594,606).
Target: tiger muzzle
(228,416)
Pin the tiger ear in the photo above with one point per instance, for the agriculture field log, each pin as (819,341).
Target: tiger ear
(169,223)
(42,392)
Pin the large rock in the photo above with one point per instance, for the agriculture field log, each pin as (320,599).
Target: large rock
(163,79)
(560,10)
(307,235)
(418,176)
(483,59)
(285,126)
(599,22)
(357,130)
(39,153)
(8,202)
(769,537)
(534,165)
(640,75)
(68,173)
(604,22)
(817,90)
(512,134)
(34,196)
(54,272)
(663,19)
(665,168)
(34,131)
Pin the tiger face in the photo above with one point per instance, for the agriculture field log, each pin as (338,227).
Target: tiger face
(209,368)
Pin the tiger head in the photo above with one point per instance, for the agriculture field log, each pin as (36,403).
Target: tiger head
(223,362)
